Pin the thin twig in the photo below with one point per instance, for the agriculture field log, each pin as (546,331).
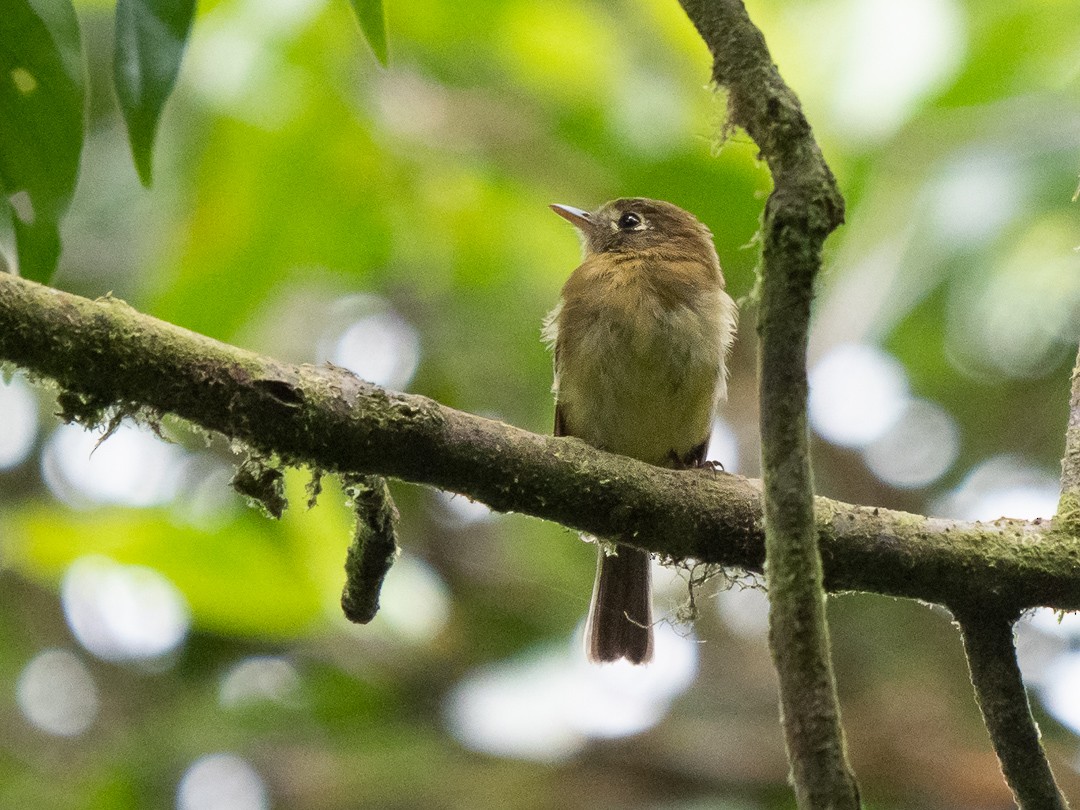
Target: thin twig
(999,690)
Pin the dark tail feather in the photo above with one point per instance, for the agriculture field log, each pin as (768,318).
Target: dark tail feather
(620,619)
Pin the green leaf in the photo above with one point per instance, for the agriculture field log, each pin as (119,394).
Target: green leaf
(41,125)
(373,23)
(150,40)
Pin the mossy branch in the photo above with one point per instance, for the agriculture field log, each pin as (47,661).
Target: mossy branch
(373,549)
(999,690)
(105,353)
(803,209)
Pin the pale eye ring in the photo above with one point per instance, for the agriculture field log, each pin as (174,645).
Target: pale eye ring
(629,221)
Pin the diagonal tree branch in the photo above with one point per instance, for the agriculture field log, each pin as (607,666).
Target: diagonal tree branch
(999,689)
(104,355)
(804,208)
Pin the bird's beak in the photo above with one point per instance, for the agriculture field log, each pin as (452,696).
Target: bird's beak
(581,220)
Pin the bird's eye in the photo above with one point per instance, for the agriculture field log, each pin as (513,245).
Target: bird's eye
(629,221)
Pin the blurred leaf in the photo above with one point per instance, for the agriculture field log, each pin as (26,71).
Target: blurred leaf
(41,124)
(255,584)
(150,40)
(373,23)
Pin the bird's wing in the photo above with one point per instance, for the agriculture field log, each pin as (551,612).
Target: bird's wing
(560,425)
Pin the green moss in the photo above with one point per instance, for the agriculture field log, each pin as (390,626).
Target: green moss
(262,482)
(1068,513)
(314,487)
(373,549)
(88,410)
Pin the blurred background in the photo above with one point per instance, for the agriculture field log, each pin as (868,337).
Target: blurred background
(164,645)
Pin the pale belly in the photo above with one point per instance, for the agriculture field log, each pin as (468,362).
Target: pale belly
(646,388)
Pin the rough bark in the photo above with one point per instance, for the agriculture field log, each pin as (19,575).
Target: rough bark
(804,207)
(999,689)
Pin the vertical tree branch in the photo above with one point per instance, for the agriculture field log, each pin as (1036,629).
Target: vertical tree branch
(804,207)
(798,632)
(999,690)
(1069,506)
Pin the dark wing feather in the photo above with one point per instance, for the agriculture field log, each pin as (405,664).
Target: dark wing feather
(560,420)
(696,457)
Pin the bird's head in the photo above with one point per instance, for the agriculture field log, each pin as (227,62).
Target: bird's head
(632,224)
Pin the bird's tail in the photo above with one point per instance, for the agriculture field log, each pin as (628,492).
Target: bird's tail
(620,619)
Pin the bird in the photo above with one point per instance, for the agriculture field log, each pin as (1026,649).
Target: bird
(640,336)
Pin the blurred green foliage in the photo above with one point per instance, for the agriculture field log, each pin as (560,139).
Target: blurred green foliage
(292,172)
